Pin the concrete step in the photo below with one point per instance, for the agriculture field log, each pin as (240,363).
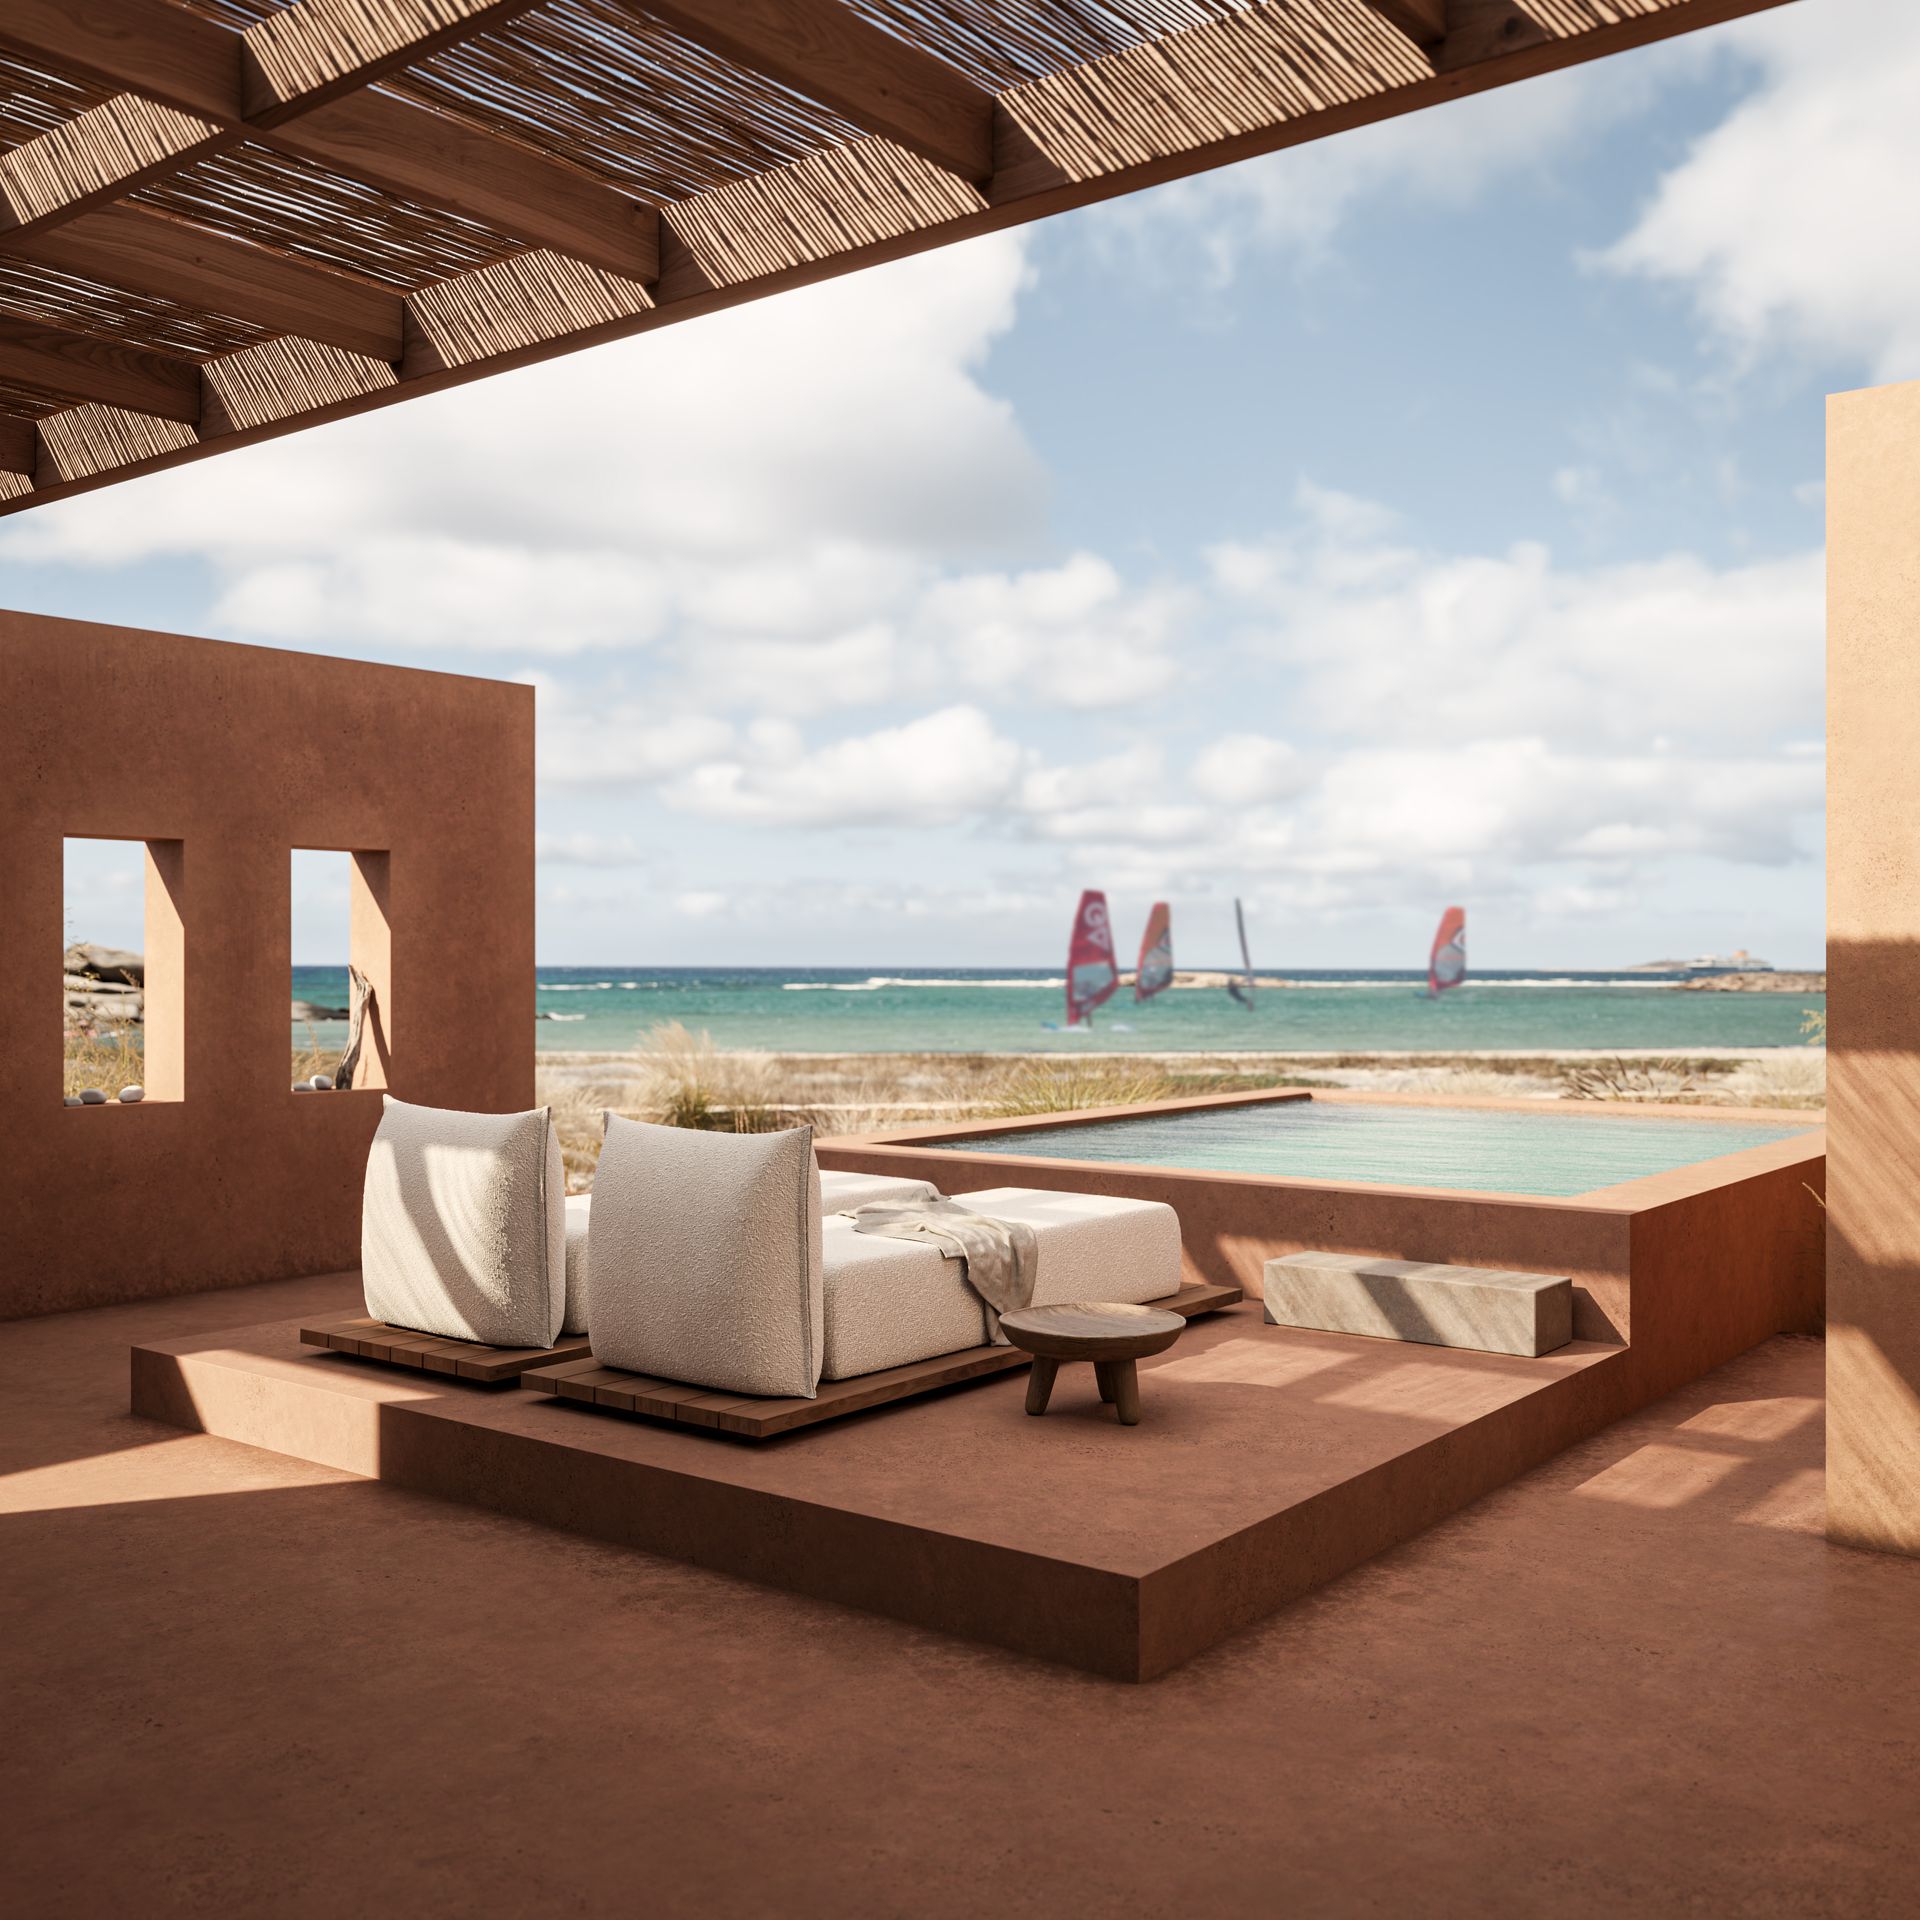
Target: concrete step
(1441,1306)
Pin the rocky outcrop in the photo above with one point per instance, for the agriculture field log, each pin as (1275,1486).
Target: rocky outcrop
(115,964)
(103,985)
(306,1010)
(1757,983)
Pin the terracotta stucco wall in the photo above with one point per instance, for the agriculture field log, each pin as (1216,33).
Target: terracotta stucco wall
(1873,959)
(230,757)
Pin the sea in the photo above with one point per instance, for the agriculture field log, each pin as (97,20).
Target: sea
(1008,1010)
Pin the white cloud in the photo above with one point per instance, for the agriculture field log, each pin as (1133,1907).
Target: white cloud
(427,589)
(1494,723)
(1244,769)
(1062,789)
(932,771)
(761,472)
(591,850)
(1076,635)
(595,739)
(1793,222)
(1391,642)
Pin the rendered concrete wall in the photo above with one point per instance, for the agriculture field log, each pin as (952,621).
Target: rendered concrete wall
(224,759)
(1873,963)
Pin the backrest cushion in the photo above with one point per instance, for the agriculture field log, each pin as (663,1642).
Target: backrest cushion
(704,1252)
(463,1225)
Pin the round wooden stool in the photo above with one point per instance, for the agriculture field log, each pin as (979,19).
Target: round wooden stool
(1112,1335)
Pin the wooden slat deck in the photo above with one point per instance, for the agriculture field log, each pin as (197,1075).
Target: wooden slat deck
(585,1382)
(463,1359)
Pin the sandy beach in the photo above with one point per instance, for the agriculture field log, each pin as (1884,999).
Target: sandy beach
(865,1092)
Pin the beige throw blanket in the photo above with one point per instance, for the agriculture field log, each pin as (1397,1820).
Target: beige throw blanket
(1000,1258)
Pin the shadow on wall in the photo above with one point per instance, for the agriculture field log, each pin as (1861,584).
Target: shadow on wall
(1873,1244)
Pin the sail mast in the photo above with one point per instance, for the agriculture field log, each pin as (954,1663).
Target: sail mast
(1242,990)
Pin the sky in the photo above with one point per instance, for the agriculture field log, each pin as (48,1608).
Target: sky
(1428,514)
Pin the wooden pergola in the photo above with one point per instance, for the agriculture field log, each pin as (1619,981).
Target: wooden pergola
(226,219)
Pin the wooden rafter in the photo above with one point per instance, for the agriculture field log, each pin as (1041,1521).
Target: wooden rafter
(18,446)
(79,367)
(307,72)
(1240,80)
(823,50)
(432,157)
(1422,21)
(142,46)
(320,50)
(147,252)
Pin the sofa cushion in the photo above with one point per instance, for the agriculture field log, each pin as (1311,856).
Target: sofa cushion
(704,1256)
(842,1192)
(889,1302)
(839,1193)
(463,1225)
(579,1219)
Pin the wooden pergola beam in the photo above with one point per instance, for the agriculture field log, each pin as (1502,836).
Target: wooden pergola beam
(310,74)
(78,367)
(300,57)
(1422,21)
(823,50)
(140,46)
(144,251)
(1246,83)
(19,446)
(421,155)
(319,50)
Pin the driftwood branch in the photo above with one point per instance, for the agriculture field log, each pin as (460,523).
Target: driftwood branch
(356,1027)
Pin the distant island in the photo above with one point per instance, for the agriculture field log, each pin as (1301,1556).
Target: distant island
(1768,982)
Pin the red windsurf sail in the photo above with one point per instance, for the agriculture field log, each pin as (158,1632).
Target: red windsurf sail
(1447,965)
(1091,973)
(1155,972)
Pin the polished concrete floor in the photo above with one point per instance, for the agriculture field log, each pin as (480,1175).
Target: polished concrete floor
(1637,1681)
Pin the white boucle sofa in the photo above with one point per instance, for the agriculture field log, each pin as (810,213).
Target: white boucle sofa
(839,1193)
(729,1262)
(890,1302)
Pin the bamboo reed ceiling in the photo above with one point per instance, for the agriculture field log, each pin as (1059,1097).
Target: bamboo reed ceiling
(226,219)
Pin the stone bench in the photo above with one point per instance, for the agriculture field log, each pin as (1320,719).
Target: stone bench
(1477,1307)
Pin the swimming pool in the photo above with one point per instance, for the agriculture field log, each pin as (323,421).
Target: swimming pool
(1705,1224)
(1457,1149)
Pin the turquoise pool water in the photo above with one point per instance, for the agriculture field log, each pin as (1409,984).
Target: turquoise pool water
(1493,1150)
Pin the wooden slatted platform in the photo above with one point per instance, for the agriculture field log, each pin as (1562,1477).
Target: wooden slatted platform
(586,1382)
(464,1359)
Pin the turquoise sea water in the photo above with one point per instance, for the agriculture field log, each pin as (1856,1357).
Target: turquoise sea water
(1556,1154)
(866,1010)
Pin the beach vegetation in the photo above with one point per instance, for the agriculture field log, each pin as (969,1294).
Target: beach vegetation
(1619,1079)
(103,1053)
(689,1082)
(1067,1086)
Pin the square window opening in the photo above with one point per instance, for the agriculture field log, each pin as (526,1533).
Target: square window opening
(341,972)
(123,971)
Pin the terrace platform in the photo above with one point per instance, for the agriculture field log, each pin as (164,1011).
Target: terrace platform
(1276,1459)
(239,1683)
